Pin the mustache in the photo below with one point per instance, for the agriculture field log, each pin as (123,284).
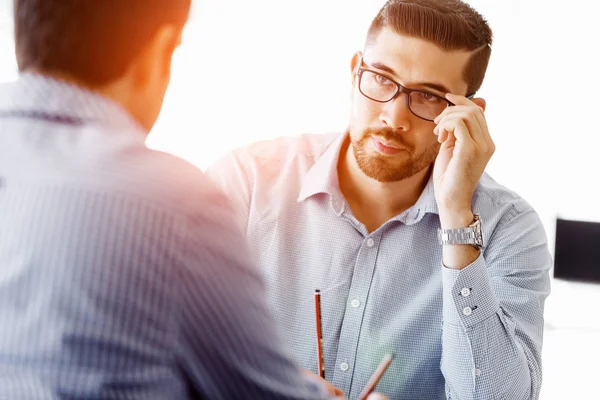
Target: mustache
(389,134)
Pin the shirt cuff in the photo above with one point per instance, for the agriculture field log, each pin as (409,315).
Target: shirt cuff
(468,295)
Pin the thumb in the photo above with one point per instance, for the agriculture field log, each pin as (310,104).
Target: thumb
(377,396)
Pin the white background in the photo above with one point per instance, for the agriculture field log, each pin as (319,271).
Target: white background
(253,70)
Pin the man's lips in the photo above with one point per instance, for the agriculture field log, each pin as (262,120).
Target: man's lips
(386,147)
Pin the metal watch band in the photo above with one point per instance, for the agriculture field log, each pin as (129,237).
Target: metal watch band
(469,235)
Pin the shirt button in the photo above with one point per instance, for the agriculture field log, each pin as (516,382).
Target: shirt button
(467,311)
(477,372)
(355,303)
(465,292)
(344,366)
(370,242)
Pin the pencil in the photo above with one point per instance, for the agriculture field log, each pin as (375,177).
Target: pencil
(321,364)
(374,380)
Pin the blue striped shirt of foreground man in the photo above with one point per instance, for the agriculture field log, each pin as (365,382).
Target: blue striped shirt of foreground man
(122,275)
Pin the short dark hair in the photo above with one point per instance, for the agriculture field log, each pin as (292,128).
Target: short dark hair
(94,41)
(450,24)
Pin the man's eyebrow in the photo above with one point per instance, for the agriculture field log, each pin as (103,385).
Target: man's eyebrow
(434,86)
(431,85)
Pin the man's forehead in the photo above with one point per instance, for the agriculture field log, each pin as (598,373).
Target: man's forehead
(416,60)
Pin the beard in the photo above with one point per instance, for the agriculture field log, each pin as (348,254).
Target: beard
(392,168)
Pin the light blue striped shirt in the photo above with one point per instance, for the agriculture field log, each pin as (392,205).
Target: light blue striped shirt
(470,334)
(122,275)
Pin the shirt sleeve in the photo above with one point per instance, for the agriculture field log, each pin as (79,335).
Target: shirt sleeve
(228,344)
(230,175)
(493,314)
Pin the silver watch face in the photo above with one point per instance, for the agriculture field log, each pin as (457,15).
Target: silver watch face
(477,230)
(476,225)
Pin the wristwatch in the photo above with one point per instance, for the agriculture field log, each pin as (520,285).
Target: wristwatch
(470,235)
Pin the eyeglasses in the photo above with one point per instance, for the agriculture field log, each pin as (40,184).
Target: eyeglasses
(382,89)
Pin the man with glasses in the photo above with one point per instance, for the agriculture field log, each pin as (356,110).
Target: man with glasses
(415,249)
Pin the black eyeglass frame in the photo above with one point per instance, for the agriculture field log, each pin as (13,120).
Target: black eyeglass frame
(400,89)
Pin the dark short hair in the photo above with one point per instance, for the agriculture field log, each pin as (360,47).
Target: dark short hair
(450,24)
(94,41)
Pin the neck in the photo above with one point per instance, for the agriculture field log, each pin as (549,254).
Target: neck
(372,202)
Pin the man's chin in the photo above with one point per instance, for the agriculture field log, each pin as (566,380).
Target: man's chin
(384,172)
(387,170)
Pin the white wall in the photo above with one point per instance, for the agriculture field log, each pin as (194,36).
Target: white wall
(250,70)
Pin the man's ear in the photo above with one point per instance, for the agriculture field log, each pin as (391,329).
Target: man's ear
(156,57)
(354,65)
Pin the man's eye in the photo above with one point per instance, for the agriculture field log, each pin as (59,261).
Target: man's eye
(428,97)
(382,80)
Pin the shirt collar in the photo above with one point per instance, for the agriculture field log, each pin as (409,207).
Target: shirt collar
(322,177)
(425,204)
(42,94)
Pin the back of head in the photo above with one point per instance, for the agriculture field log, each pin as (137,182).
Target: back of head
(450,24)
(93,41)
